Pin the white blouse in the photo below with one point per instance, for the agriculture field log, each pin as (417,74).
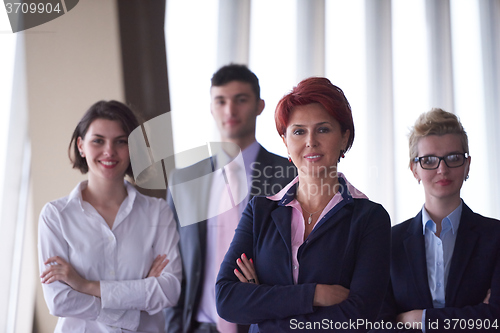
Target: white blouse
(120,258)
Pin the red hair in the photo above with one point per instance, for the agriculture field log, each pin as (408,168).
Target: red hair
(316,90)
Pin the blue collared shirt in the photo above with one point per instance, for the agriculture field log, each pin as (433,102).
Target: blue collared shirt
(438,253)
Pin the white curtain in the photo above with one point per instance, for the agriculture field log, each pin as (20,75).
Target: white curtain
(393,59)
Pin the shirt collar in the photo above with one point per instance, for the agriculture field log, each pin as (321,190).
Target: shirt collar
(287,194)
(453,218)
(249,155)
(76,194)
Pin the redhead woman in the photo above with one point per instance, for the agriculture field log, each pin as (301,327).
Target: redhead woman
(316,255)
(445,268)
(108,255)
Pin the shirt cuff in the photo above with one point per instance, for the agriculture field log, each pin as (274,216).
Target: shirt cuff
(120,318)
(123,295)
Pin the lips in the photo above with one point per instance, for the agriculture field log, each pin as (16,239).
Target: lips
(444,182)
(232,122)
(313,157)
(108,164)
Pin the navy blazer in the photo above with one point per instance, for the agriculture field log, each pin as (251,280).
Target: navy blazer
(270,173)
(350,246)
(475,268)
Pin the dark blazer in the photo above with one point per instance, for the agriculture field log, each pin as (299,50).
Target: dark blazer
(475,268)
(270,173)
(350,246)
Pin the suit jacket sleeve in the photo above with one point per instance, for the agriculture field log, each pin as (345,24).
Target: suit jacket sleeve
(246,303)
(173,315)
(388,313)
(274,307)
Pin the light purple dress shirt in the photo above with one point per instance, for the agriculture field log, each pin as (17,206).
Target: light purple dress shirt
(207,312)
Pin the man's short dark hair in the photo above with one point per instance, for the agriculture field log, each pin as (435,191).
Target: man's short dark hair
(236,72)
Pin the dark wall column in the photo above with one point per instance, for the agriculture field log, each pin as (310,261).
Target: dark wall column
(144,61)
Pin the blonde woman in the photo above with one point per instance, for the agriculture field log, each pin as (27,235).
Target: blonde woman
(446,259)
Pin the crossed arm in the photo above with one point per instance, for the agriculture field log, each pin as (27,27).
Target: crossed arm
(60,270)
(275,306)
(116,303)
(324,294)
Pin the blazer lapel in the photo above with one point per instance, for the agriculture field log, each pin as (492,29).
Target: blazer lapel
(464,246)
(414,246)
(335,215)
(281,217)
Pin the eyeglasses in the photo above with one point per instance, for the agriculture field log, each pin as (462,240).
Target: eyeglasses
(432,162)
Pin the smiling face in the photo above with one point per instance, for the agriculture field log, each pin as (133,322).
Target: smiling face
(314,140)
(235,108)
(105,147)
(443,183)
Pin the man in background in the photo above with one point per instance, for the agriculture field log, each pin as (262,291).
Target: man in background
(235,105)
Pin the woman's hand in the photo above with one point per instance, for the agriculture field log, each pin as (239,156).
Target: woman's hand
(60,270)
(487,298)
(329,294)
(249,275)
(158,265)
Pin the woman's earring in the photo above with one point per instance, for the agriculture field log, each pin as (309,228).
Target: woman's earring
(466,177)
(81,154)
(341,155)
(289,158)
(418,181)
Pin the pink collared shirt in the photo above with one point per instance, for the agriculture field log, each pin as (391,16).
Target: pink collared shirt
(206,310)
(298,222)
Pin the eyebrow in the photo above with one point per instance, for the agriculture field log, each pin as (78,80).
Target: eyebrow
(450,153)
(235,96)
(102,136)
(318,124)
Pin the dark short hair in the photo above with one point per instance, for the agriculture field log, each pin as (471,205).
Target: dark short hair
(316,90)
(236,72)
(110,110)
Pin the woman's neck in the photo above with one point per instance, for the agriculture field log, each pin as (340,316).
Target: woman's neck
(439,208)
(104,192)
(314,193)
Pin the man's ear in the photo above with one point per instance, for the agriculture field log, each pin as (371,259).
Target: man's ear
(260,107)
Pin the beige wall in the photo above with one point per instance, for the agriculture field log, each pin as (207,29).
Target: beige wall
(71,63)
